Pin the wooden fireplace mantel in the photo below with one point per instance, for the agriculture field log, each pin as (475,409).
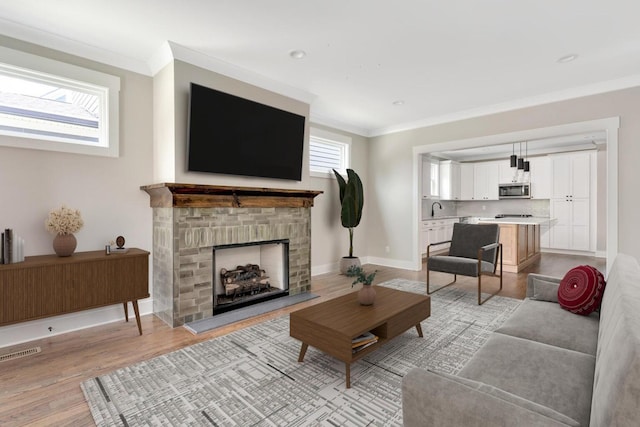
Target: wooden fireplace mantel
(168,195)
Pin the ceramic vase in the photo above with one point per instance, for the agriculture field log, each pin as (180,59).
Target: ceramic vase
(64,244)
(366,295)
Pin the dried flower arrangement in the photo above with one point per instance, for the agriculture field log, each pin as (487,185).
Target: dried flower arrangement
(64,220)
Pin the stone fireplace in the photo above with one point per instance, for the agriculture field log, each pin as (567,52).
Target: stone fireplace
(189,221)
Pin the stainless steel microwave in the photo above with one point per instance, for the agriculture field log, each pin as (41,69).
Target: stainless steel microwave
(514,191)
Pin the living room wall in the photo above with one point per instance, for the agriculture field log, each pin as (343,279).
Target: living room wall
(329,239)
(105,190)
(391,158)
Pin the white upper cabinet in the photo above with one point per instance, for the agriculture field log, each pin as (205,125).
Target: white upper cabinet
(540,177)
(466,181)
(430,178)
(570,175)
(449,180)
(486,177)
(507,174)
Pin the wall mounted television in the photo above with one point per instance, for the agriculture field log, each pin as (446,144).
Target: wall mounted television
(236,136)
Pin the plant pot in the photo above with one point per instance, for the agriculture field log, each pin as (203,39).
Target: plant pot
(64,244)
(347,262)
(366,295)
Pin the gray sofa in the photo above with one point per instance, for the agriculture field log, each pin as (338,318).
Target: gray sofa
(545,366)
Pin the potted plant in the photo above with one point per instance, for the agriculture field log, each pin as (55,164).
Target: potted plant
(366,295)
(351,201)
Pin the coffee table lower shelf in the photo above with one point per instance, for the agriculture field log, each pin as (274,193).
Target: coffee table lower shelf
(332,325)
(356,356)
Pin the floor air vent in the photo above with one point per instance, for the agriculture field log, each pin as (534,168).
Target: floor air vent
(18,354)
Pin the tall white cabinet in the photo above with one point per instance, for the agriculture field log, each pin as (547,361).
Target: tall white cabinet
(467,181)
(570,201)
(449,180)
(486,177)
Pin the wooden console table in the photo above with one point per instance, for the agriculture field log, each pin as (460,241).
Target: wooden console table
(48,285)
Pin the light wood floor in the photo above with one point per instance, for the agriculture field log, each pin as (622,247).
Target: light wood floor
(44,389)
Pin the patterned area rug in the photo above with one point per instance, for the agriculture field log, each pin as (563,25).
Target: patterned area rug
(252,377)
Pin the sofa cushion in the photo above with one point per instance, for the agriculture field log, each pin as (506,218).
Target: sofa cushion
(430,399)
(550,376)
(548,323)
(581,290)
(544,290)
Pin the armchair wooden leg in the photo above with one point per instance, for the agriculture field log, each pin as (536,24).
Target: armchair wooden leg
(429,292)
(480,301)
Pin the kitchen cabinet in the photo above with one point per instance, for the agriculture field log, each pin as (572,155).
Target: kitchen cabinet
(570,204)
(466,181)
(449,180)
(486,177)
(430,178)
(437,230)
(506,173)
(571,227)
(540,177)
(545,241)
(570,174)
(520,246)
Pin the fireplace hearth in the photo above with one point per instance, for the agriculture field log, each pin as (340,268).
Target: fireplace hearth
(192,221)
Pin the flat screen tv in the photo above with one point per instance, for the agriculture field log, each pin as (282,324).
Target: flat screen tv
(236,136)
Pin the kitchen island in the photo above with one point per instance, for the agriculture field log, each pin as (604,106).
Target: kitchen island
(520,238)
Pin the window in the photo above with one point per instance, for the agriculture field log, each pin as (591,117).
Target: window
(328,151)
(435,178)
(50,105)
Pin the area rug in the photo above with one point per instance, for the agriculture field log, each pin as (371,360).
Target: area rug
(251,377)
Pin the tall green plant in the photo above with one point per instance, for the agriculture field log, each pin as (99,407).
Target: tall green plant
(352,201)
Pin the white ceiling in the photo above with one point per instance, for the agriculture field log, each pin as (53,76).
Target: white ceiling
(446,59)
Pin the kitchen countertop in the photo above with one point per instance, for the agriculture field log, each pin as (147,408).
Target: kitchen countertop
(435,218)
(535,220)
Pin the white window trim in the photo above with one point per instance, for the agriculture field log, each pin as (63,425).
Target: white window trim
(16,60)
(334,137)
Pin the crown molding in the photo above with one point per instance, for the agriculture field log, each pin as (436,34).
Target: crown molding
(533,101)
(170,51)
(336,124)
(72,47)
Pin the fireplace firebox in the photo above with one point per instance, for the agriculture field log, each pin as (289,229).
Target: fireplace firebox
(249,273)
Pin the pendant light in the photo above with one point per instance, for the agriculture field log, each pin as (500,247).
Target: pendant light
(513,158)
(526,153)
(520,159)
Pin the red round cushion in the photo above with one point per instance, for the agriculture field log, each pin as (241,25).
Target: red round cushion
(581,290)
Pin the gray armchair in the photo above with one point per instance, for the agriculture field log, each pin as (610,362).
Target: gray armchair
(474,252)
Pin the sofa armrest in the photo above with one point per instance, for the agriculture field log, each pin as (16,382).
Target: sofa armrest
(533,277)
(433,399)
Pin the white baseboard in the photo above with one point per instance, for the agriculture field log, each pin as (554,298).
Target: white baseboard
(324,269)
(335,267)
(394,263)
(567,252)
(37,329)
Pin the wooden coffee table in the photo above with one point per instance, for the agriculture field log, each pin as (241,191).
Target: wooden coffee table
(331,325)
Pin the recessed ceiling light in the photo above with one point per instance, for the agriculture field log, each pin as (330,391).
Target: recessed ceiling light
(297,54)
(567,58)
(398,103)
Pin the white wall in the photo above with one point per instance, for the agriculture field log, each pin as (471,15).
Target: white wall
(105,190)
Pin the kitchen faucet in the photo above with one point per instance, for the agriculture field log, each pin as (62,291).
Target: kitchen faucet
(432,204)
